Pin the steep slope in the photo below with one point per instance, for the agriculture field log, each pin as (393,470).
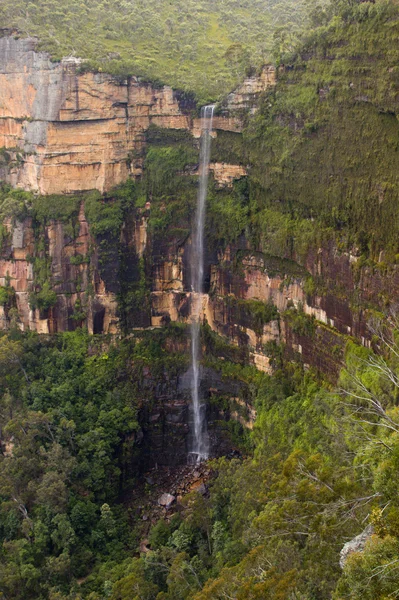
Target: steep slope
(200,46)
(313,227)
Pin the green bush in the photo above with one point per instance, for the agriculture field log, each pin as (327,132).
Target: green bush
(44,299)
(7,295)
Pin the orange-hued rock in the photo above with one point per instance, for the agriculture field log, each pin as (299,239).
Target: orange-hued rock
(68,131)
(246,95)
(74,131)
(71,280)
(219,123)
(224,173)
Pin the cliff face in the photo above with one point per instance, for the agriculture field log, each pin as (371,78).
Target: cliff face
(239,275)
(75,281)
(73,131)
(62,131)
(67,131)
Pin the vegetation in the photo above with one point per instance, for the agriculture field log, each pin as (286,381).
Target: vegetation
(321,460)
(251,313)
(322,466)
(68,415)
(273,524)
(201,46)
(43,299)
(323,145)
(7,295)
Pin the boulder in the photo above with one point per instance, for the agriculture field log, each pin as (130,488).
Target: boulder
(166,500)
(356,545)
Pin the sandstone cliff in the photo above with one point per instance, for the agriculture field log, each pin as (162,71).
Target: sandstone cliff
(68,131)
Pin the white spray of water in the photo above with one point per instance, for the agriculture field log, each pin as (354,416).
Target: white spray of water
(200,442)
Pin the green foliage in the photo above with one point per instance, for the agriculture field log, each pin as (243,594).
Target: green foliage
(229,147)
(274,524)
(323,147)
(13,203)
(105,215)
(252,313)
(319,465)
(79,259)
(57,208)
(301,323)
(170,186)
(163,164)
(205,47)
(79,313)
(7,295)
(69,404)
(227,213)
(44,299)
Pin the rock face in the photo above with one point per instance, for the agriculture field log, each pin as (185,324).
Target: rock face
(83,278)
(67,131)
(64,131)
(72,131)
(356,545)
(166,500)
(247,94)
(76,280)
(225,174)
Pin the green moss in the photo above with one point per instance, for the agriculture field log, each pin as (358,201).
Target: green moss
(79,259)
(309,286)
(56,207)
(324,146)
(161,136)
(221,349)
(104,215)
(227,213)
(252,313)
(203,46)
(229,147)
(134,303)
(162,165)
(301,323)
(79,313)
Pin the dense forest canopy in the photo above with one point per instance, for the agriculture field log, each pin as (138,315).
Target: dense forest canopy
(204,46)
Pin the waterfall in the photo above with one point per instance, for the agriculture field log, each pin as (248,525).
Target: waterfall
(200,443)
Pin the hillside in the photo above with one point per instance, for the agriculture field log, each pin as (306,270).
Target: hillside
(203,46)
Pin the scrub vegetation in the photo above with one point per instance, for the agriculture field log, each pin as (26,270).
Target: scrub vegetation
(202,46)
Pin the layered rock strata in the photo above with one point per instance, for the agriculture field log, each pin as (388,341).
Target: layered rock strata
(74,277)
(66,131)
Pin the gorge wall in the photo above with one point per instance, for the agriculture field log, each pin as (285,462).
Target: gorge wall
(64,131)
(240,280)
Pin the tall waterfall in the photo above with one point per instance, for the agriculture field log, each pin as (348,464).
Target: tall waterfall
(200,443)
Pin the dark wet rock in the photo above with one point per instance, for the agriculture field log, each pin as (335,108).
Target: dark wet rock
(203,490)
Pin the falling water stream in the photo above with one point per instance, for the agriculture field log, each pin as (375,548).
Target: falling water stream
(200,442)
